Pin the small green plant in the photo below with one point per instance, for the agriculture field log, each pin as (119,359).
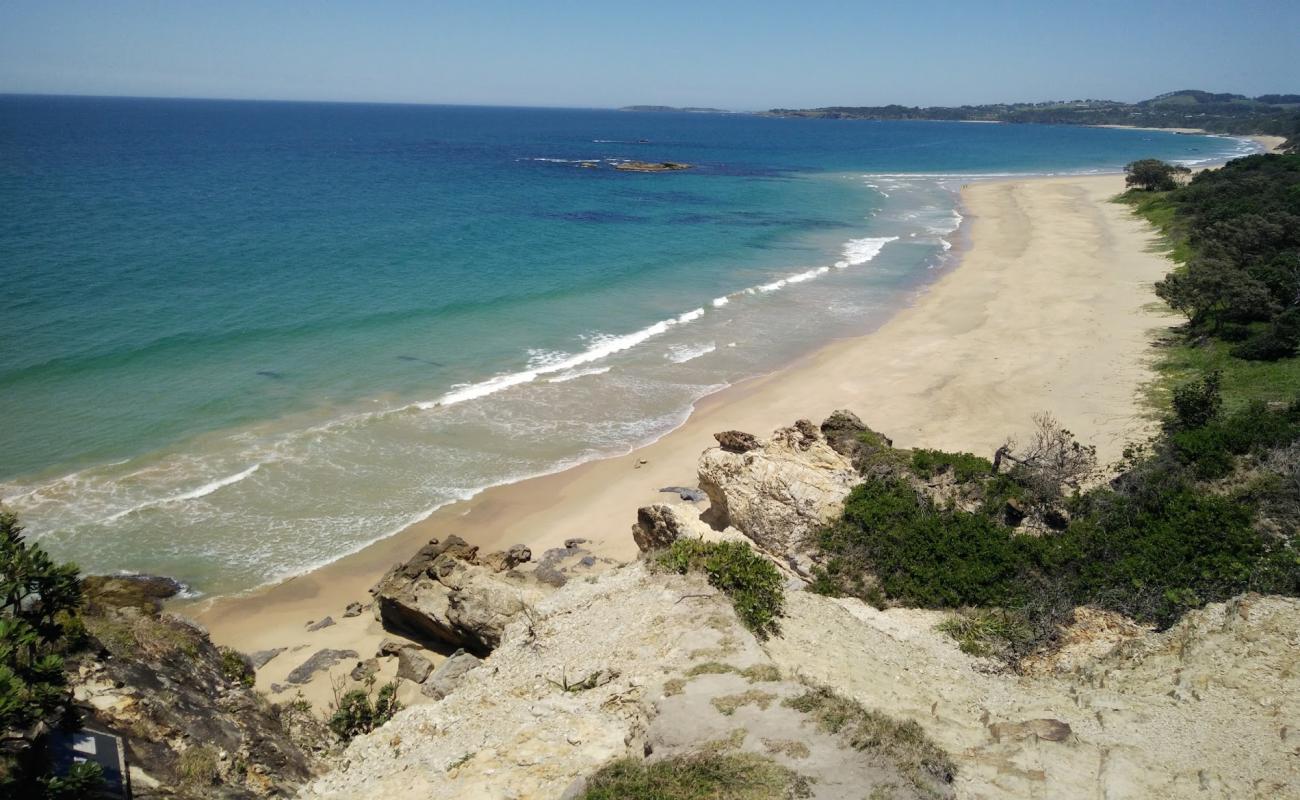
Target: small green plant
(990,632)
(84,781)
(362,710)
(235,669)
(710,668)
(762,673)
(599,677)
(750,580)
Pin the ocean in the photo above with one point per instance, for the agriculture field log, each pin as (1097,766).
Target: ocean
(242,339)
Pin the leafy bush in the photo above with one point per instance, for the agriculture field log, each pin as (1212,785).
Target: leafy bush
(1197,403)
(965,467)
(989,632)
(236,668)
(361,710)
(750,580)
(922,555)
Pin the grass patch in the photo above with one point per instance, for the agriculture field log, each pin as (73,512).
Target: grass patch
(674,687)
(991,633)
(728,704)
(919,760)
(750,580)
(762,673)
(790,748)
(736,776)
(710,668)
(197,767)
(1243,382)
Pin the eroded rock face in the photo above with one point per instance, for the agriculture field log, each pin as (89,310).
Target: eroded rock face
(159,681)
(780,490)
(443,597)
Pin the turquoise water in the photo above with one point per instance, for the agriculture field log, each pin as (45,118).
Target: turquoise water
(243,339)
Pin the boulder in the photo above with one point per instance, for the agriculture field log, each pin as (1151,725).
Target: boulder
(443,597)
(412,666)
(321,659)
(736,441)
(780,490)
(503,560)
(391,646)
(364,669)
(261,658)
(660,525)
(312,627)
(448,674)
(354,609)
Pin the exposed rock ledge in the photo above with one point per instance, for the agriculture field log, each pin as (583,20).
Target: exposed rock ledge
(1206,709)
(651,166)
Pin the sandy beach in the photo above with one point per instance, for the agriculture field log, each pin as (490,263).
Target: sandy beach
(1051,308)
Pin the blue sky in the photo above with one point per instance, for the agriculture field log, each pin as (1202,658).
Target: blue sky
(740,55)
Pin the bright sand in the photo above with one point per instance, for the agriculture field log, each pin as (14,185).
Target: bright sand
(1051,308)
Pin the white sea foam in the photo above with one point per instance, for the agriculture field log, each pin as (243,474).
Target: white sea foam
(681,353)
(578,373)
(719,302)
(602,347)
(194,494)
(860,251)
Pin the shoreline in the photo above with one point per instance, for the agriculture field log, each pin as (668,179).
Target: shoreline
(967,363)
(1269,143)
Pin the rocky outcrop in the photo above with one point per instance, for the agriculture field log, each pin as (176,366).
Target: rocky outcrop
(442,597)
(321,659)
(651,166)
(192,723)
(851,438)
(776,491)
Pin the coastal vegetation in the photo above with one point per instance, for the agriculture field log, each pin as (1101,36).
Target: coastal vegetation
(1207,508)
(1272,114)
(749,580)
(39,625)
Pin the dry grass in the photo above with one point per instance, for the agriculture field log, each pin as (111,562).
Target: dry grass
(727,704)
(738,776)
(921,761)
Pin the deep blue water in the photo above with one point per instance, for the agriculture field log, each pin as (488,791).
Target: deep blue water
(227,326)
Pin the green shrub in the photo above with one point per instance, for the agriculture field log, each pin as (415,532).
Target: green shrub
(921,555)
(750,580)
(361,710)
(1197,403)
(992,632)
(235,668)
(966,467)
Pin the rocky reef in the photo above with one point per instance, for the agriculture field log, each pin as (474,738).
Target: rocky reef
(651,166)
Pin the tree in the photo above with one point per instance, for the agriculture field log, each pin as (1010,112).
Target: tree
(1154,175)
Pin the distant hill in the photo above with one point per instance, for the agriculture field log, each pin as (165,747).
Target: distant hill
(687,109)
(1276,114)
